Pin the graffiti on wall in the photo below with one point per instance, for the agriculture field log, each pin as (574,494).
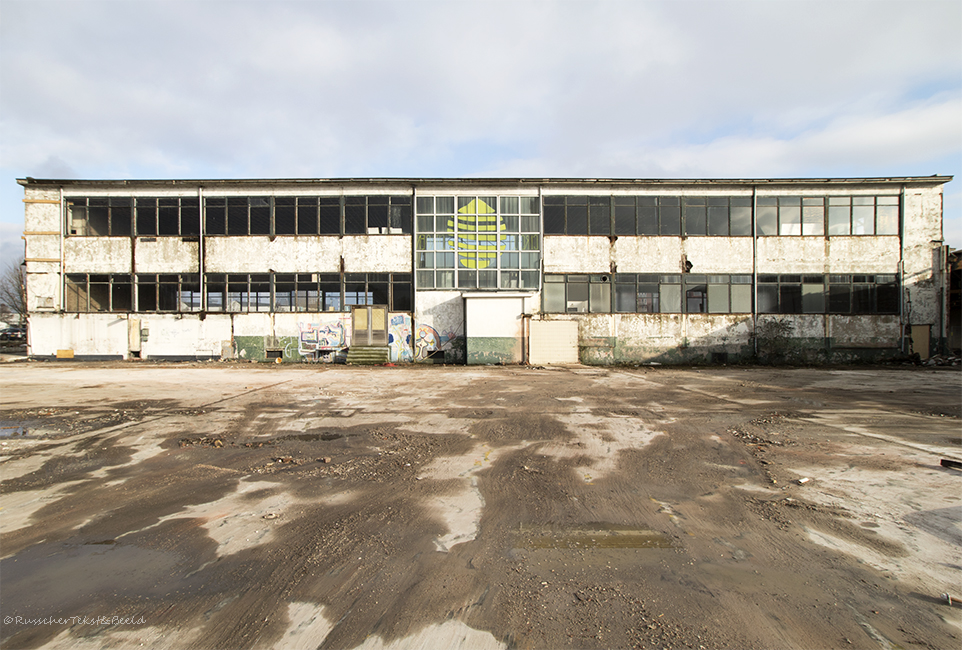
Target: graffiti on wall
(399,338)
(316,337)
(427,340)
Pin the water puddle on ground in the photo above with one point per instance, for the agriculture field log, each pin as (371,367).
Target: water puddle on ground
(13,430)
(592,536)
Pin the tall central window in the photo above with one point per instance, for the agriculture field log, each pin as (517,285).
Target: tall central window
(478,242)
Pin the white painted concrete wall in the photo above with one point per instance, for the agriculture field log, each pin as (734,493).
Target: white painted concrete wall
(309,254)
(166,255)
(97,255)
(85,334)
(576,254)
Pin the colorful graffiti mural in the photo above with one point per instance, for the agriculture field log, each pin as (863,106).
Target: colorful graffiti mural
(399,338)
(316,337)
(427,340)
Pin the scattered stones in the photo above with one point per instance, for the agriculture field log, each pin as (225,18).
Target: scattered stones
(943,360)
(216,443)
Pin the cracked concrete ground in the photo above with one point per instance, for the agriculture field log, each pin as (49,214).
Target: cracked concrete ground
(242,506)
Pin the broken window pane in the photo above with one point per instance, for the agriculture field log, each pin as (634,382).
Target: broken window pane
(260,216)
(237,216)
(168,216)
(839,299)
(76,293)
(648,299)
(768,299)
(790,299)
(354,215)
(285,217)
(696,300)
(577,297)
(377,217)
(862,298)
(887,296)
(120,217)
(215,219)
(189,217)
(329,216)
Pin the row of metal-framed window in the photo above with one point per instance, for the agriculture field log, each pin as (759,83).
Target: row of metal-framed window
(236,292)
(720,216)
(478,242)
(648,215)
(720,294)
(241,215)
(832,294)
(563,215)
(833,215)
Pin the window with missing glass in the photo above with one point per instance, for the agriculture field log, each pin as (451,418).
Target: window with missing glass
(307,215)
(306,292)
(832,216)
(126,216)
(647,293)
(477,242)
(167,216)
(832,294)
(168,292)
(99,217)
(91,292)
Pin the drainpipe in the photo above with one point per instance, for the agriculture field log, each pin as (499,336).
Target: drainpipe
(754,270)
(200,252)
(903,326)
(63,278)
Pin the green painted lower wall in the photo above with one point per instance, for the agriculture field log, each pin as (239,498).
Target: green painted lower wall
(795,350)
(487,350)
(254,348)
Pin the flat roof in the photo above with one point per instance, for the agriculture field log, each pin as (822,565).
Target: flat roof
(894,180)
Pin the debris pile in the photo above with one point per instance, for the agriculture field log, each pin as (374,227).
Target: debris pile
(943,360)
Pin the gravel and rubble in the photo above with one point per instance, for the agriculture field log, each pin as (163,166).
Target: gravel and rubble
(255,506)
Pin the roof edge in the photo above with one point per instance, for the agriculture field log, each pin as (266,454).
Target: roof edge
(935,178)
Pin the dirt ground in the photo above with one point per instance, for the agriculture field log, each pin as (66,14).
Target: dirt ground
(255,506)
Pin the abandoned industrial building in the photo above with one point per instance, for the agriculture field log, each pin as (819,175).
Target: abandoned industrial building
(477,271)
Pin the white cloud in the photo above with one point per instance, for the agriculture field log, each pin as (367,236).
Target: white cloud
(240,89)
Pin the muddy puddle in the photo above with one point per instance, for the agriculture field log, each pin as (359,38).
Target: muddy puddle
(592,536)
(14,430)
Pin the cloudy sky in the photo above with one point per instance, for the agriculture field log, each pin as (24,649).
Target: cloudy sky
(632,89)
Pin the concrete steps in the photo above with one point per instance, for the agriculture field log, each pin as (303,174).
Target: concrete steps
(368,356)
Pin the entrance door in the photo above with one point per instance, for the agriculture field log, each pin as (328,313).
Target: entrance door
(920,340)
(369,325)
